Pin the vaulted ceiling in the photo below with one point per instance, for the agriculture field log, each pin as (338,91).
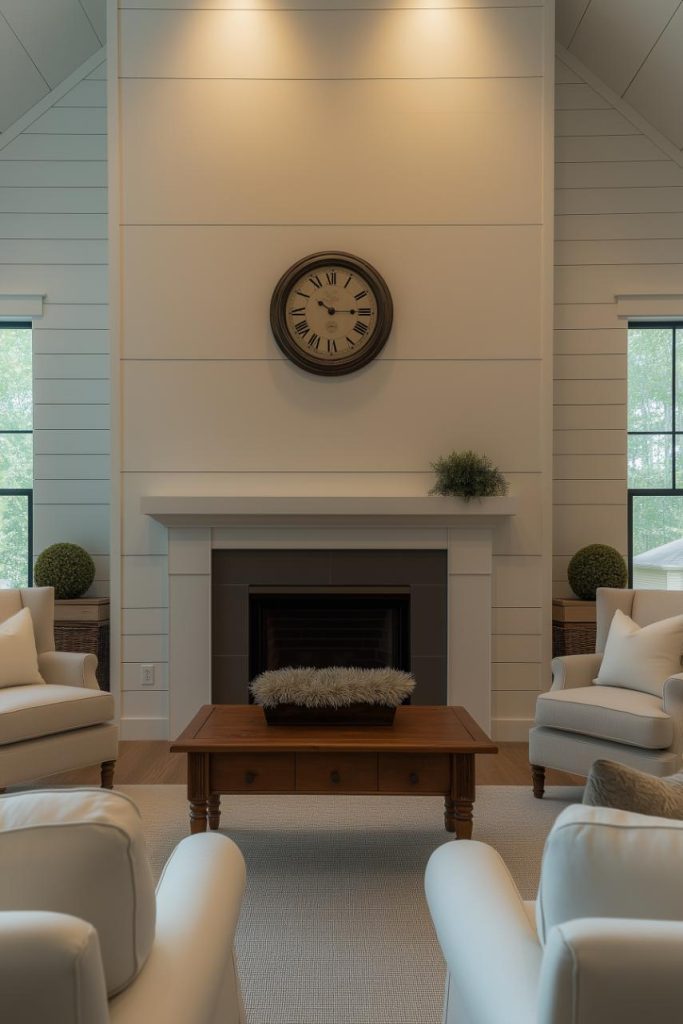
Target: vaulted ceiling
(633,46)
(42,42)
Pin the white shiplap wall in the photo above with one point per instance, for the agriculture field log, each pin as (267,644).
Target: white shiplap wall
(53,241)
(619,231)
(251,137)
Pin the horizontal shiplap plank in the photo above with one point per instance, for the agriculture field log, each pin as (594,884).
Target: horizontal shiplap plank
(589,442)
(514,703)
(590,366)
(286,405)
(69,342)
(578,525)
(516,676)
(56,147)
(144,648)
(219,44)
(586,315)
(572,123)
(590,417)
(87,525)
(53,225)
(52,251)
(59,367)
(461,164)
(140,621)
(577,201)
(71,284)
(70,393)
(590,392)
(514,649)
(53,200)
(517,582)
(621,251)
(70,121)
(144,581)
(511,621)
(563,74)
(589,492)
(74,316)
(72,492)
(71,467)
(623,225)
(50,441)
(586,284)
(191,290)
(589,467)
(53,173)
(71,417)
(618,174)
(585,148)
(148,703)
(90,92)
(578,96)
(603,341)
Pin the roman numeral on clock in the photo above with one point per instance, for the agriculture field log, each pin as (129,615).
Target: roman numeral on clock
(360,328)
(302,328)
(348,280)
(351,342)
(303,295)
(363,311)
(299,311)
(331,276)
(360,295)
(331,345)
(315,281)
(314,341)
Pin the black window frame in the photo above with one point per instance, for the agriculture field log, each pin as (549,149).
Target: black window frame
(654,492)
(27,492)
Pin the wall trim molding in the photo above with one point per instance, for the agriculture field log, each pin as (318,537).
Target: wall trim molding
(56,94)
(13,306)
(649,307)
(619,104)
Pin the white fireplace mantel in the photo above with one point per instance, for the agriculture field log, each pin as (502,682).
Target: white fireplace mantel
(431,510)
(198,524)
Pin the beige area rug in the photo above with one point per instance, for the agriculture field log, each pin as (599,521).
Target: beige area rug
(334,926)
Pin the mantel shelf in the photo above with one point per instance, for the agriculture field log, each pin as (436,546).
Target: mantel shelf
(430,510)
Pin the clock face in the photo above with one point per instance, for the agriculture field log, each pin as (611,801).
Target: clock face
(331,313)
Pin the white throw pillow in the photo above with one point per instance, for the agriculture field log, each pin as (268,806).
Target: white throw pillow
(18,655)
(641,658)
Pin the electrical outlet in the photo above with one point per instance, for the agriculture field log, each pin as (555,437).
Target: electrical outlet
(147,675)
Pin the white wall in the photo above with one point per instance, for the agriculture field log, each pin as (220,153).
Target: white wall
(619,231)
(414,138)
(53,241)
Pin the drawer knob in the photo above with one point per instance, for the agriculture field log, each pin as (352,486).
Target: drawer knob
(335,776)
(414,778)
(249,777)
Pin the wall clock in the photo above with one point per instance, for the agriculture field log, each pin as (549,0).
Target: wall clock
(331,313)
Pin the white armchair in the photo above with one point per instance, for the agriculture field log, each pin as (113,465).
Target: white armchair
(83,937)
(62,724)
(578,722)
(604,942)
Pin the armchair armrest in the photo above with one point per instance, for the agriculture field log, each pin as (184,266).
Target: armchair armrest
(64,668)
(489,943)
(575,670)
(50,969)
(611,969)
(190,975)
(672,703)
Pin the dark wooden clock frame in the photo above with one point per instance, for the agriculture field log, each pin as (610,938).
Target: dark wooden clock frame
(310,264)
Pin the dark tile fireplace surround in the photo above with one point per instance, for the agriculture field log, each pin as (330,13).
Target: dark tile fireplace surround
(370,608)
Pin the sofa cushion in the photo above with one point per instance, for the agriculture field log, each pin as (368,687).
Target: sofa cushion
(600,862)
(641,657)
(623,716)
(82,852)
(41,710)
(18,655)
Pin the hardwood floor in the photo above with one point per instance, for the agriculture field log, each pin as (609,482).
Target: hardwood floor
(145,762)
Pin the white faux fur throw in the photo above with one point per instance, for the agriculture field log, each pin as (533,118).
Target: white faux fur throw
(332,687)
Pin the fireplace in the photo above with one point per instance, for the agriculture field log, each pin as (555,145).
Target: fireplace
(370,609)
(318,630)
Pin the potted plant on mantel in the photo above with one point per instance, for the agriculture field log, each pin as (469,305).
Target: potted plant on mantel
(574,625)
(467,475)
(81,623)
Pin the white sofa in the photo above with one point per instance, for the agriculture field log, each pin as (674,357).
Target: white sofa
(84,939)
(603,944)
(577,722)
(63,724)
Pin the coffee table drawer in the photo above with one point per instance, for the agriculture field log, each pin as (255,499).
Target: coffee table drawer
(336,773)
(414,773)
(252,773)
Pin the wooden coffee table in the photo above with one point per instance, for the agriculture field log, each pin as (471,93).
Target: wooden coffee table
(428,751)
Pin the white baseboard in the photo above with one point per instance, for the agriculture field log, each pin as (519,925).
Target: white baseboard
(143,728)
(511,730)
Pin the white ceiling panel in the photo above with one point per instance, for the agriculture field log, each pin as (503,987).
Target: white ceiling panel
(57,34)
(20,83)
(615,37)
(568,14)
(657,90)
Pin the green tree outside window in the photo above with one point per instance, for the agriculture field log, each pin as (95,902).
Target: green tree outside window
(16,454)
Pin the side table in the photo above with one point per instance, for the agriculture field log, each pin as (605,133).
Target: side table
(82,625)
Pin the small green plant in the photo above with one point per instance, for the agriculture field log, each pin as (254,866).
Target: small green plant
(597,565)
(66,567)
(468,475)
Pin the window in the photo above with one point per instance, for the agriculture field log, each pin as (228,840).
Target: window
(16,455)
(655,455)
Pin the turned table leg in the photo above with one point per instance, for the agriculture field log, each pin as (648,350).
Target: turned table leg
(538,780)
(214,811)
(107,774)
(460,800)
(198,791)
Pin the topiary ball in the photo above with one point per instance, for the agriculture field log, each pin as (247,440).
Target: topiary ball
(66,567)
(597,565)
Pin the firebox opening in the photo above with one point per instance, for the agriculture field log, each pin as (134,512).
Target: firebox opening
(368,630)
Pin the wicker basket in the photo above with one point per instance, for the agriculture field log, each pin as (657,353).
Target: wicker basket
(76,631)
(574,627)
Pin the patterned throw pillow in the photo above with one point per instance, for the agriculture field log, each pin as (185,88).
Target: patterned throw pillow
(615,785)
